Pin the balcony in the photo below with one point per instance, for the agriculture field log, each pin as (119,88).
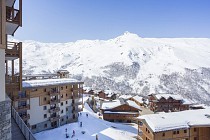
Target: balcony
(21,98)
(13,18)
(12,79)
(54,118)
(22,108)
(13,50)
(54,101)
(53,110)
(53,93)
(25,117)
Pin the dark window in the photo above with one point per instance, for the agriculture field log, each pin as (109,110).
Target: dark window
(163,135)
(33,126)
(185,131)
(61,103)
(66,102)
(195,129)
(45,115)
(45,99)
(67,109)
(62,119)
(67,117)
(66,87)
(45,90)
(45,125)
(195,138)
(44,107)
(148,131)
(61,95)
(66,94)
(174,132)
(61,111)
(61,88)
(177,131)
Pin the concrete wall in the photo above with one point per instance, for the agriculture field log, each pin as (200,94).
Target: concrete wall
(2,75)
(37,112)
(5,120)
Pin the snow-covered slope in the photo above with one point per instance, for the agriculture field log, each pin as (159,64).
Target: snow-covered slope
(129,63)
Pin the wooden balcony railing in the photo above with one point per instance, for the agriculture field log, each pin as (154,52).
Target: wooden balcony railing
(53,110)
(53,93)
(21,98)
(13,49)
(54,118)
(12,79)
(25,117)
(13,15)
(22,108)
(54,101)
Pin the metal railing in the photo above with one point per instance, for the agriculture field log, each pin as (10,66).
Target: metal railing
(23,127)
(13,15)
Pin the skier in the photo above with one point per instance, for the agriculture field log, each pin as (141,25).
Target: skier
(87,115)
(80,124)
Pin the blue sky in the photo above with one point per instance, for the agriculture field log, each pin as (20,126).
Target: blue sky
(71,20)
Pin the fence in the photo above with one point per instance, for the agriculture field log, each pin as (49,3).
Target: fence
(23,127)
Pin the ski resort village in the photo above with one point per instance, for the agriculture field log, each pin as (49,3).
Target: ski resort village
(125,88)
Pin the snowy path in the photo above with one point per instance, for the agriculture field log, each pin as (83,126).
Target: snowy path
(92,127)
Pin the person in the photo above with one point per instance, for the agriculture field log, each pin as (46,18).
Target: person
(80,114)
(80,124)
(66,129)
(73,133)
(87,115)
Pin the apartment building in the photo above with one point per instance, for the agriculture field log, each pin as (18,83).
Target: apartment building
(168,103)
(184,125)
(120,111)
(50,102)
(10,20)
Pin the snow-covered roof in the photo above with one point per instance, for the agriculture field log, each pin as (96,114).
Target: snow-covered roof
(183,119)
(138,98)
(133,104)
(110,105)
(115,103)
(187,102)
(125,97)
(112,112)
(48,82)
(200,105)
(167,96)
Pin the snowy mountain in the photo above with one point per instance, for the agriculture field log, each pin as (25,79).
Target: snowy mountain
(129,64)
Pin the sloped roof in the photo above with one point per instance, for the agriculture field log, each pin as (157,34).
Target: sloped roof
(183,119)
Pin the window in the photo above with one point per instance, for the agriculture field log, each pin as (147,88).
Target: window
(146,129)
(66,94)
(45,115)
(195,138)
(67,109)
(62,119)
(45,99)
(33,126)
(45,125)
(61,95)
(61,111)
(66,87)
(44,107)
(61,88)
(185,131)
(67,117)
(45,90)
(195,129)
(177,131)
(174,132)
(61,103)
(163,134)
(34,90)
(66,102)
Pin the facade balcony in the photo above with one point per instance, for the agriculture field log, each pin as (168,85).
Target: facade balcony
(53,93)
(12,79)
(13,16)
(25,117)
(22,108)
(54,118)
(21,98)
(13,50)
(53,110)
(54,101)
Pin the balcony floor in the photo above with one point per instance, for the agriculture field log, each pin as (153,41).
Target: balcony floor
(16,132)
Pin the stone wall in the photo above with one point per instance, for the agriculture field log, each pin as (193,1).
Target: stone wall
(5,120)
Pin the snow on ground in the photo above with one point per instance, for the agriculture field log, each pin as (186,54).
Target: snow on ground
(92,127)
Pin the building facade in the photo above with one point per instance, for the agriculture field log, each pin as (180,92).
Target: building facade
(184,125)
(168,103)
(51,103)
(10,20)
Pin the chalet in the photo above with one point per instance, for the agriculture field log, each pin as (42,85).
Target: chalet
(138,100)
(184,125)
(88,90)
(120,111)
(107,94)
(168,103)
